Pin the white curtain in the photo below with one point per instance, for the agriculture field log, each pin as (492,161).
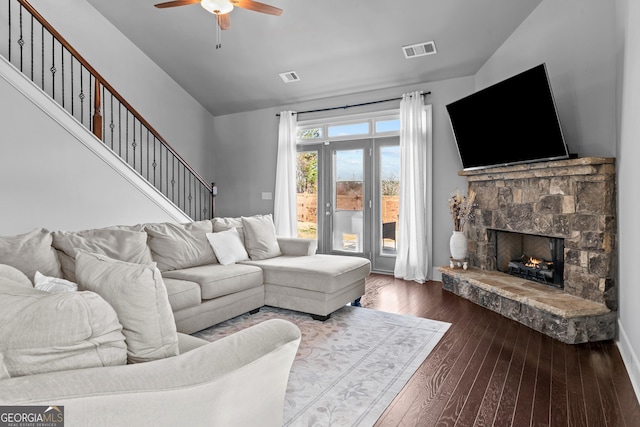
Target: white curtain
(414,217)
(284,209)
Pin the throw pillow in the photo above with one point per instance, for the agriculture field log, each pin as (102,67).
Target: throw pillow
(260,237)
(139,297)
(45,332)
(224,224)
(15,275)
(227,246)
(114,242)
(178,246)
(30,252)
(53,284)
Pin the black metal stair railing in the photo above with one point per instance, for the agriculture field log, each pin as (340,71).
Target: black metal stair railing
(35,48)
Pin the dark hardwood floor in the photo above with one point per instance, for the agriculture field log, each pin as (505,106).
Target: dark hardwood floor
(491,371)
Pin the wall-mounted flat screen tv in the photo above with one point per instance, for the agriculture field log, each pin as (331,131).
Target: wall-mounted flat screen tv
(514,121)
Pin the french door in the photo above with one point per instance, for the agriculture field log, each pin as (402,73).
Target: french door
(347,208)
(348,198)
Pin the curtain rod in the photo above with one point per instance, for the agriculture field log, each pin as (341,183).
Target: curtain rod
(351,106)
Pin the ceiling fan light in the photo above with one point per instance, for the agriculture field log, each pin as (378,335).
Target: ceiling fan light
(219,7)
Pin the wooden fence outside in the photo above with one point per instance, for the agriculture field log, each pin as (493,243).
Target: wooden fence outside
(308,206)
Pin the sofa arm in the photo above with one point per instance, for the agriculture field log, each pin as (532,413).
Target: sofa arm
(239,380)
(295,246)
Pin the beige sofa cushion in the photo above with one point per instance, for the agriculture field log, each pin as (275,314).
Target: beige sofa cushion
(177,246)
(260,237)
(30,252)
(114,242)
(4,373)
(182,293)
(219,280)
(321,273)
(139,297)
(44,332)
(15,275)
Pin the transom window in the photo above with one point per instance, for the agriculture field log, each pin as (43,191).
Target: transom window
(360,126)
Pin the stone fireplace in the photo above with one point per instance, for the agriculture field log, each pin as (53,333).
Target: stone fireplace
(563,214)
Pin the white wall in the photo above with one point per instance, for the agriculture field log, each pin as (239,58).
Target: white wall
(628,179)
(51,176)
(179,118)
(576,39)
(246,145)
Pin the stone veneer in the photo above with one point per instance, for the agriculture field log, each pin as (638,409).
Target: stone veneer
(570,199)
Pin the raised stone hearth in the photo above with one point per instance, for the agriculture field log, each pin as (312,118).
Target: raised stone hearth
(562,316)
(573,200)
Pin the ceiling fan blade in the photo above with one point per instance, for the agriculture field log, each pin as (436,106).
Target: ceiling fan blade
(224,22)
(175,3)
(257,7)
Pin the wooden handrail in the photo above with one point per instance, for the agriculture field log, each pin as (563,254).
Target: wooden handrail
(103,81)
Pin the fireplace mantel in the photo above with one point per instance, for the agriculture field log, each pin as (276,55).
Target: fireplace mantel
(570,199)
(554,169)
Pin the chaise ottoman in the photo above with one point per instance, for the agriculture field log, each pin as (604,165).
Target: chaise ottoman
(315,284)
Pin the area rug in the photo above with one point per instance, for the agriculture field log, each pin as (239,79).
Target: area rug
(349,368)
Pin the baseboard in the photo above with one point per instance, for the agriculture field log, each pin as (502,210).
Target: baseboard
(630,359)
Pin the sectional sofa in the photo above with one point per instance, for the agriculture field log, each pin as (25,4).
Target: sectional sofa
(202,291)
(144,288)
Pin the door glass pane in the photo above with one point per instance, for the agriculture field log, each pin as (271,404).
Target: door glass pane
(390,192)
(307,194)
(348,194)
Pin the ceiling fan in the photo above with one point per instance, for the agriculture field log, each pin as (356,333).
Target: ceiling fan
(221,8)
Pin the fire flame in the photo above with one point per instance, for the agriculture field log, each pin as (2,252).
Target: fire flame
(533,262)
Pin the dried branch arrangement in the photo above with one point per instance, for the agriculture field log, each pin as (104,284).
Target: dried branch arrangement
(461,208)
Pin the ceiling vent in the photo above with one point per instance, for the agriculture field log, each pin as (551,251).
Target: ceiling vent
(290,77)
(420,49)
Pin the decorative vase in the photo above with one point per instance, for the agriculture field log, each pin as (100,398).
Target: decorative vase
(458,245)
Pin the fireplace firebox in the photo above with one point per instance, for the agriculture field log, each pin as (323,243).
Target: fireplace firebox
(532,257)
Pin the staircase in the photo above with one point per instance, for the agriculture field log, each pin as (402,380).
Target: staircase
(40,53)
